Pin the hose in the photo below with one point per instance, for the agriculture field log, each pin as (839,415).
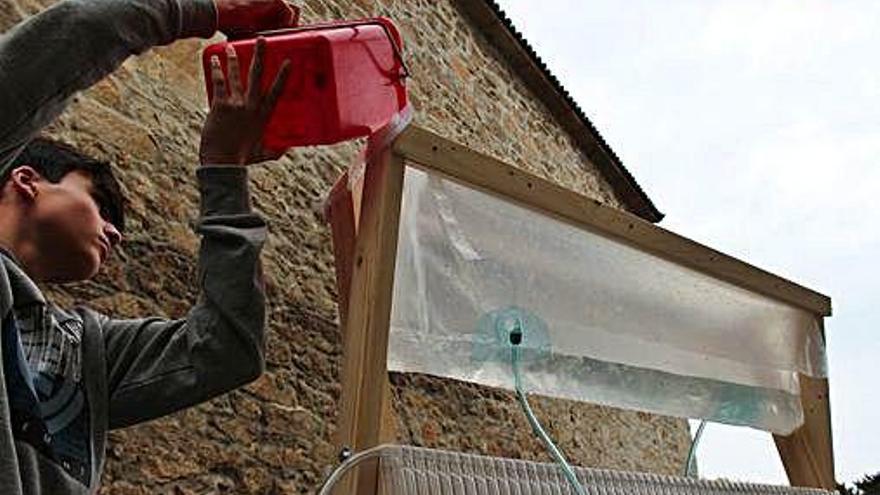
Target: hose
(515,340)
(692,452)
(346,465)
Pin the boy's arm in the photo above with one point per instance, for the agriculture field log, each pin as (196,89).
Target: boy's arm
(157,366)
(73,44)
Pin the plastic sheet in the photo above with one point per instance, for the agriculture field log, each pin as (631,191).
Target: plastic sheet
(611,324)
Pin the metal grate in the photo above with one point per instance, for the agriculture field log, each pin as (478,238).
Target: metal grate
(418,471)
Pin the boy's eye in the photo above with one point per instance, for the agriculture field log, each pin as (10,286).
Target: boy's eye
(102,206)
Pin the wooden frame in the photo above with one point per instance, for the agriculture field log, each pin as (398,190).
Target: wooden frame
(365,226)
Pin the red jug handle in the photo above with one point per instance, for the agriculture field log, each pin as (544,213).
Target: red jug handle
(384,23)
(294,23)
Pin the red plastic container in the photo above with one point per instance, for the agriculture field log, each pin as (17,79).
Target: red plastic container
(346,80)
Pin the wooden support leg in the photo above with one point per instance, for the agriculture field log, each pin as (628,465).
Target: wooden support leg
(807,453)
(340,212)
(365,411)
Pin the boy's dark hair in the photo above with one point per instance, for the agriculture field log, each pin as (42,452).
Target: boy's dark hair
(54,159)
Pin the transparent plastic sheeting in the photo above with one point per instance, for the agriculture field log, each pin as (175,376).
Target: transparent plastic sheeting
(602,321)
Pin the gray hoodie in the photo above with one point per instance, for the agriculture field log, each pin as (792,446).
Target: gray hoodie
(68,376)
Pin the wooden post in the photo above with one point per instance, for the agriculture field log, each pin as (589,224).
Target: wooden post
(808,454)
(365,402)
(340,213)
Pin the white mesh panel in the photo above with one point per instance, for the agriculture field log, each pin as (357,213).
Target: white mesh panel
(417,471)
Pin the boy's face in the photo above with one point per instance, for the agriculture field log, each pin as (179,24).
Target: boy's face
(72,238)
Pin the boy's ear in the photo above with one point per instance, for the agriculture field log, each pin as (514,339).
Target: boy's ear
(24,180)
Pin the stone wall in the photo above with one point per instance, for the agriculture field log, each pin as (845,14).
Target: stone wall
(275,436)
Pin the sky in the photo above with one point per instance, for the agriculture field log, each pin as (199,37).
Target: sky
(755,127)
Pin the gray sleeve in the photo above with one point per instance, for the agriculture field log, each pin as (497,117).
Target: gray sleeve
(158,366)
(72,45)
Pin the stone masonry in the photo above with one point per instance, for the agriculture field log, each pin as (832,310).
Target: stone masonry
(275,436)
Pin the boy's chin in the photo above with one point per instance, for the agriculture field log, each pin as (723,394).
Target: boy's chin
(74,273)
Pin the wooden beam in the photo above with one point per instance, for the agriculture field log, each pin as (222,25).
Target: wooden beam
(808,454)
(340,213)
(458,162)
(366,417)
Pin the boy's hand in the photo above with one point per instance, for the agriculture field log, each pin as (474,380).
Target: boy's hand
(238,17)
(233,130)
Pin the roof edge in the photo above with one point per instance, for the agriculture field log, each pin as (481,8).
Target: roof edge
(516,50)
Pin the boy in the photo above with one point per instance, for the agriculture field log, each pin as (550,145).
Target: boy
(70,375)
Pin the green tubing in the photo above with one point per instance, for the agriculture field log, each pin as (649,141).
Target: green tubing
(533,421)
(692,452)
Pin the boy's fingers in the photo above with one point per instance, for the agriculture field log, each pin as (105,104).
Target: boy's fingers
(277,86)
(234,71)
(288,14)
(256,72)
(217,79)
